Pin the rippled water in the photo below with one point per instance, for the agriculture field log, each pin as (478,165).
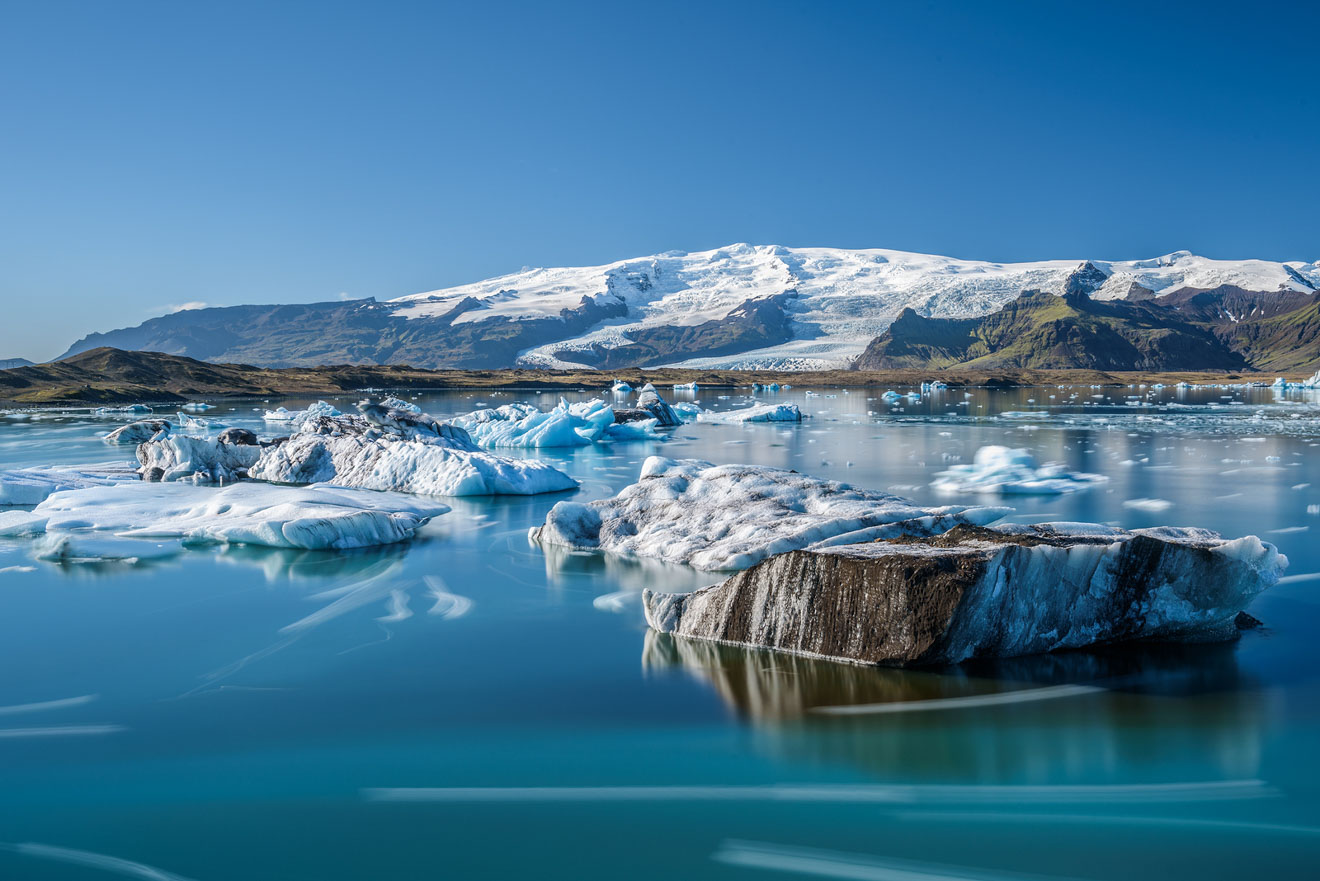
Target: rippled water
(468,706)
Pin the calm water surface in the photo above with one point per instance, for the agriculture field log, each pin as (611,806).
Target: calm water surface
(247,714)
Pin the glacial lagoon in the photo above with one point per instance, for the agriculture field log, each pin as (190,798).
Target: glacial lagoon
(471,705)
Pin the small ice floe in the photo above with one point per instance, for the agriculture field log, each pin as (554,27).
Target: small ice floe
(997,469)
(1152,505)
(621,388)
(732,516)
(297,417)
(130,410)
(139,432)
(197,407)
(687,387)
(400,404)
(754,413)
(314,517)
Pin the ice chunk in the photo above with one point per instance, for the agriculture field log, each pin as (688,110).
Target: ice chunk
(120,411)
(349,451)
(650,406)
(621,388)
(197,407)
(686,387)
(400,404)
(138,432)
(522,425)
(207,460)
(976,592)
(313,517)
(732,516)
(297,417)
(31,486)
(754,413)
(998,469)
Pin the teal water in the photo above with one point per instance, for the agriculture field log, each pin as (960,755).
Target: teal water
(256,714)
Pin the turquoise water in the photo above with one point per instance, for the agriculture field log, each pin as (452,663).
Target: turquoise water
(258,714)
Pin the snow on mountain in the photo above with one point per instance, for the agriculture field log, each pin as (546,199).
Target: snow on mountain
(836,300)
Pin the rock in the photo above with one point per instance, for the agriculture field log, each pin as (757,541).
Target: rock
(977,592)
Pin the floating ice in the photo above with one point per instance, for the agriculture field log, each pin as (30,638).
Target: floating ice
(400,404)
(1154,505)
(687,387)
(119,411)
(31,486)
(981,593)
(200,459)
(998,469)
(621,388)
(732,516)
(138,432)
(754,413)
(197,407)
(296,417)
(313,517)
(522,425)
(436,460)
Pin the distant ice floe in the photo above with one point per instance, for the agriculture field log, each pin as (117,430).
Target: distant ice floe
(297,417)
(197,407)
(754,413)
(997,469)
(130,410)
(99,521)
(732,516)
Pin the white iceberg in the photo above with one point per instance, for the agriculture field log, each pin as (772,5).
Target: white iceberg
(31,486)
(199,459)
(754,413)
(525,426)
(297,417)
(997,469)
(436,459)
(1313,382)
(687,387)
(732,516)
(139,432)
(621,388)
(120,411)
(313,517)
(400,404)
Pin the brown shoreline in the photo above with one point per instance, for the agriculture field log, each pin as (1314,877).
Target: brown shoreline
(113,376)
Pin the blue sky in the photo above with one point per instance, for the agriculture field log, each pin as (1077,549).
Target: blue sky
(156,154)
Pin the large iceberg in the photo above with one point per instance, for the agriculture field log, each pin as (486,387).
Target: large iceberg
(754,413)
(313,517)
(976,592)
(998,469)
(566,425)
(733,516)
(222,459)
(419,457)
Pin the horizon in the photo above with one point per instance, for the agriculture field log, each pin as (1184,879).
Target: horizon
(311,153)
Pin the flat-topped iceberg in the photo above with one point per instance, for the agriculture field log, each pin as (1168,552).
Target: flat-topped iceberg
(976,592)
(418,457)
(733,516)
(312,517)
(754,413)
(31,486)
(998,469)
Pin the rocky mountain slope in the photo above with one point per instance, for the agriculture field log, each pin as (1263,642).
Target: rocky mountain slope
(739,307)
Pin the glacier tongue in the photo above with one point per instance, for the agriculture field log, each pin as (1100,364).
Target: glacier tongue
(976,592)
(732,516)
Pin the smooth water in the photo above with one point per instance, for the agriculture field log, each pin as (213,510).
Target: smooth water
(243,714)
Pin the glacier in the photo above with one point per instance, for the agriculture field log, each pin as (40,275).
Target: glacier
(978,592)
(998,469)
(716,517)
(311,517)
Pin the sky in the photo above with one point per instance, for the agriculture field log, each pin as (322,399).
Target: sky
(156,155)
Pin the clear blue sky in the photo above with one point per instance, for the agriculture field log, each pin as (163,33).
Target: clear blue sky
(154,154)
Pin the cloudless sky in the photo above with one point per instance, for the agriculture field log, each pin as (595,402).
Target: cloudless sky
(156,154)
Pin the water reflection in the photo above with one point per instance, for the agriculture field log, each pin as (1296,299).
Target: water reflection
(1157,707)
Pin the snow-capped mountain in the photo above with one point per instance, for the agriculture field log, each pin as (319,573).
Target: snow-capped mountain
(741,306)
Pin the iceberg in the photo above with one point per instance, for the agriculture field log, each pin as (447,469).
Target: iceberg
(1313,382)
(31,486)
(400,404)
(525,426)
(138,432)
(223,459)
(977,592)
(296,417)
(120,411)
(425,458)
(687,387)
(754,413)
(733,516)
(997,469)
(651,406)
(621,388)
(197,407)
(313,517)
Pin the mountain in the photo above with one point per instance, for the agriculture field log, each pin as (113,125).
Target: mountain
(742,307)
(1044,331)
(10,363)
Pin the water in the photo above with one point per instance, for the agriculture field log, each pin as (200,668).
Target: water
(256,714)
